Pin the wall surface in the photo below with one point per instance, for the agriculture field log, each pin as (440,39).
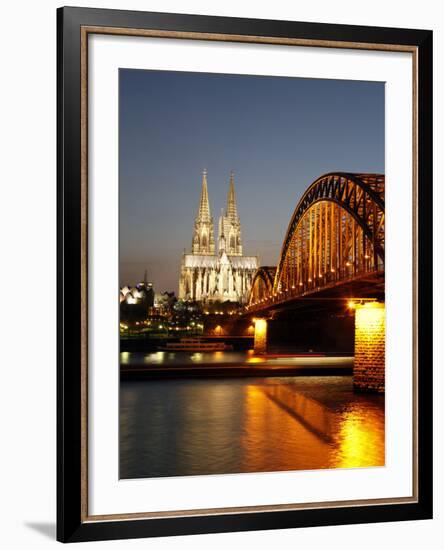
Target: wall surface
(28,170)
(369,365)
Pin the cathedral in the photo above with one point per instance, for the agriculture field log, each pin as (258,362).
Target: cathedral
(225,274)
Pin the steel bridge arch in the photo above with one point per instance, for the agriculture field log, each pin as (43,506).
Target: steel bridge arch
(360,195)
(264,275)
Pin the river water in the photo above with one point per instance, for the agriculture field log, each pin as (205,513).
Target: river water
(204,426)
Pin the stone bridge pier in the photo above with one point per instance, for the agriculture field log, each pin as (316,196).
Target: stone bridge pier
(369,365)
(362,334)
(260,336)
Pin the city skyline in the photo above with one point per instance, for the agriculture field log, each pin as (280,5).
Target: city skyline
(275,133)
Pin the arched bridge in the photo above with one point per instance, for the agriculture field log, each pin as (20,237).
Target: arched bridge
(335,238)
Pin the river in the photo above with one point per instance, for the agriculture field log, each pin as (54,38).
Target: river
(179,427)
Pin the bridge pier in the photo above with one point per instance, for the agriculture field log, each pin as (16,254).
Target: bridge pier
(369,365)
(260,336)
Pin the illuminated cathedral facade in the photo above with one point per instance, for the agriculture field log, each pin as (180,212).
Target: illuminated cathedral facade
(209,274)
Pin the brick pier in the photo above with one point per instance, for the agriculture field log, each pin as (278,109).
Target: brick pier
(369,366)
(260,336)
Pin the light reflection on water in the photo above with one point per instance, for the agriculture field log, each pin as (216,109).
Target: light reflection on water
(172,358)
(181,357)
(217,426)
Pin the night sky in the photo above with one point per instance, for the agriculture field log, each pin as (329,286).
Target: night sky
(277,134)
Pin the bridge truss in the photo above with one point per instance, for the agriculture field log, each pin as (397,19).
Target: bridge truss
(336,234)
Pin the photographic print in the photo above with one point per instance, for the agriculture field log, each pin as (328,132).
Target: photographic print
(244,340)
(251,274)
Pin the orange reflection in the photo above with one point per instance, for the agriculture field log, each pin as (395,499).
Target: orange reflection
(287,430)
(255,360)
(274,441)
(360,440)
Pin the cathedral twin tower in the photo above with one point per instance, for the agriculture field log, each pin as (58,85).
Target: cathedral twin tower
(224,275)
(230,239)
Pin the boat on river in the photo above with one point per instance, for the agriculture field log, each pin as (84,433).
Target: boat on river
(195,344)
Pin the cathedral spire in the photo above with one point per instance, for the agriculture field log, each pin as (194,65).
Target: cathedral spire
(231,200)
(203,237)
(204,214)
(230,239)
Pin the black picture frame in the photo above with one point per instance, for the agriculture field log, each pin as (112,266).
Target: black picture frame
(71,523)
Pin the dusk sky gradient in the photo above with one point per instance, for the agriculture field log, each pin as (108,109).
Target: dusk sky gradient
(278,135)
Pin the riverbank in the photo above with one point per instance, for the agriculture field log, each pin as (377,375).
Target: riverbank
(251,367)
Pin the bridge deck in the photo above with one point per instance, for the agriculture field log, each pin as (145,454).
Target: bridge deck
(367,285)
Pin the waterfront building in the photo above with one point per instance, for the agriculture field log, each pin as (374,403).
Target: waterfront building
(163,303)
(225,274)
(136,301)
